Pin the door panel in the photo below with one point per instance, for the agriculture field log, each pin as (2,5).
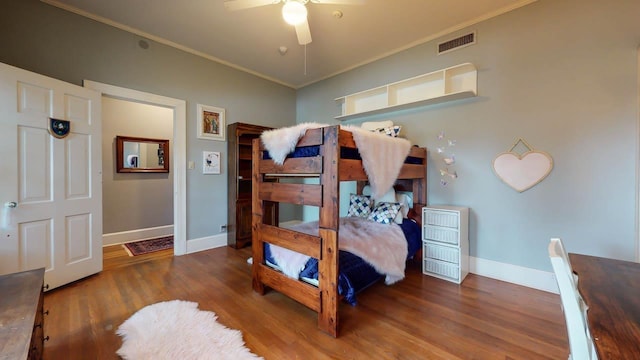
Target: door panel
(35,165)
(35,243)
(34,99)
(56,183)
(78,177)
(78,234)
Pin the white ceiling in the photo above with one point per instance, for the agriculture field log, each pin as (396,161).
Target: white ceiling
(249,39)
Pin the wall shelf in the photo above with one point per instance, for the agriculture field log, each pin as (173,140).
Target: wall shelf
(453,83)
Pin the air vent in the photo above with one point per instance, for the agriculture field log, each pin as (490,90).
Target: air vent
(457,43)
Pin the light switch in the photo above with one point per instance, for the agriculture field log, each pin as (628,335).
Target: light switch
(191,165)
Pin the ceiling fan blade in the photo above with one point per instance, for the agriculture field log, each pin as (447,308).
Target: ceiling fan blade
(339,2)
(304,33)
(233,5)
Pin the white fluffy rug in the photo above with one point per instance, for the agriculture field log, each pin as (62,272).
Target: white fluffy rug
(178,330)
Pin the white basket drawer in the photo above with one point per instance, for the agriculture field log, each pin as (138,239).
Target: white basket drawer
(444,253)
(441,218)
(448,270)
(445,235)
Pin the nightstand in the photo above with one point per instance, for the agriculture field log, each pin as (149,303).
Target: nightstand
(445,242)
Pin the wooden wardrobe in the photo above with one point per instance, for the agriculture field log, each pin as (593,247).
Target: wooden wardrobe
(240,184)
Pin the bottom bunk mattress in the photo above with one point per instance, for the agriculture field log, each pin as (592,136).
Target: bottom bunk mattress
(355,273)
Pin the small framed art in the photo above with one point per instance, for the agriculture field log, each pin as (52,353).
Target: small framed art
(210,162)
(211,123)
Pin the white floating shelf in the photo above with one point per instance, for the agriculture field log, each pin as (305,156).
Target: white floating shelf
(456,82)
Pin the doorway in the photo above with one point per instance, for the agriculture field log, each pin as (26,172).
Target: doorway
(178,107)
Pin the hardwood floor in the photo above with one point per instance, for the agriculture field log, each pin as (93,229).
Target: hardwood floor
(418,318)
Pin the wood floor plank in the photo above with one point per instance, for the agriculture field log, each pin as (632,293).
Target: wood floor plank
(418,318)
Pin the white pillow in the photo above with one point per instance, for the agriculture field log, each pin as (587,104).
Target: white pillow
(374,125)
(389,196)
(405,204)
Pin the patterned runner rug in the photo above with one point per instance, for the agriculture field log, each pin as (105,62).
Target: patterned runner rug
(148,246)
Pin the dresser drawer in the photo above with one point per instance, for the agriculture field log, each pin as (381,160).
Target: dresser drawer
(443,253)
(441,234)
(442,268)
(441,218)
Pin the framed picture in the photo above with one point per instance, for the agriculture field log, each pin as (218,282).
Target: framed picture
(211,123)
(210,162)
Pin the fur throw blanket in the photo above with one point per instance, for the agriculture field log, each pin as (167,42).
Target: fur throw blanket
(282,142)
(382,155)
(381,245)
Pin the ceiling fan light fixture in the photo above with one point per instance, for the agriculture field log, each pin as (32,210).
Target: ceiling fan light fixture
(294,12)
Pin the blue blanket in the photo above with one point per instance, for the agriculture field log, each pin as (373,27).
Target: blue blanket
(355,274)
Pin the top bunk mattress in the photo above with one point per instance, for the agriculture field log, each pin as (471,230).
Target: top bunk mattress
(345,153)
(382,156)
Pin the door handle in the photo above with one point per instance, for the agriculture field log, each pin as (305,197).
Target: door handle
(5,218)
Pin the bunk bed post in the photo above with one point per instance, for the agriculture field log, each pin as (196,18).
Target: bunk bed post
(420,184)
(256,218)
(328,232)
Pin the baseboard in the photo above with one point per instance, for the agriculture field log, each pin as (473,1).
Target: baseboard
(206,243)
(216,241)
(519,275)
(135,235)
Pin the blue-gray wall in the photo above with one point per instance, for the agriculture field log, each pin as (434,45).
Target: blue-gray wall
(56,43)
(562,74)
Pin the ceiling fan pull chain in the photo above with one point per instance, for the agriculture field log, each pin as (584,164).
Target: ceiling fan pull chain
(305,59)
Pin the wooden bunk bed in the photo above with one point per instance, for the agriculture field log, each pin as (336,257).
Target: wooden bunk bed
(331,169)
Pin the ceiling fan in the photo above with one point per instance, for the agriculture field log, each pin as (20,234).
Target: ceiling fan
(294,12)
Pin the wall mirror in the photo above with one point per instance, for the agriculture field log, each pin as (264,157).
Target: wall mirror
(136,154)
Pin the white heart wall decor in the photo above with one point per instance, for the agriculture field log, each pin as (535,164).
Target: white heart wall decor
(522,172)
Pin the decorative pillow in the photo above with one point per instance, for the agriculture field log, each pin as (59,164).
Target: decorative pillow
(360,205)
(392,131)
(384,212)
(373,125)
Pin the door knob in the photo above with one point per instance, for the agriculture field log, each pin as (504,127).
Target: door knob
(5,216)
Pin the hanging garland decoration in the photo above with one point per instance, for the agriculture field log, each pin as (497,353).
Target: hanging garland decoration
(448,158)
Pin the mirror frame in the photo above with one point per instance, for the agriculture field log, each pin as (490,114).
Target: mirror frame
(120,155)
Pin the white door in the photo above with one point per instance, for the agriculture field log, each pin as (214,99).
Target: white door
(50,188)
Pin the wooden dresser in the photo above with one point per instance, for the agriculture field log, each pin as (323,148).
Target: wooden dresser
(21,316)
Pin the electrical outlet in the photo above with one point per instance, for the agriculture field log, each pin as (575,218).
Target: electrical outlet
(223,228)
